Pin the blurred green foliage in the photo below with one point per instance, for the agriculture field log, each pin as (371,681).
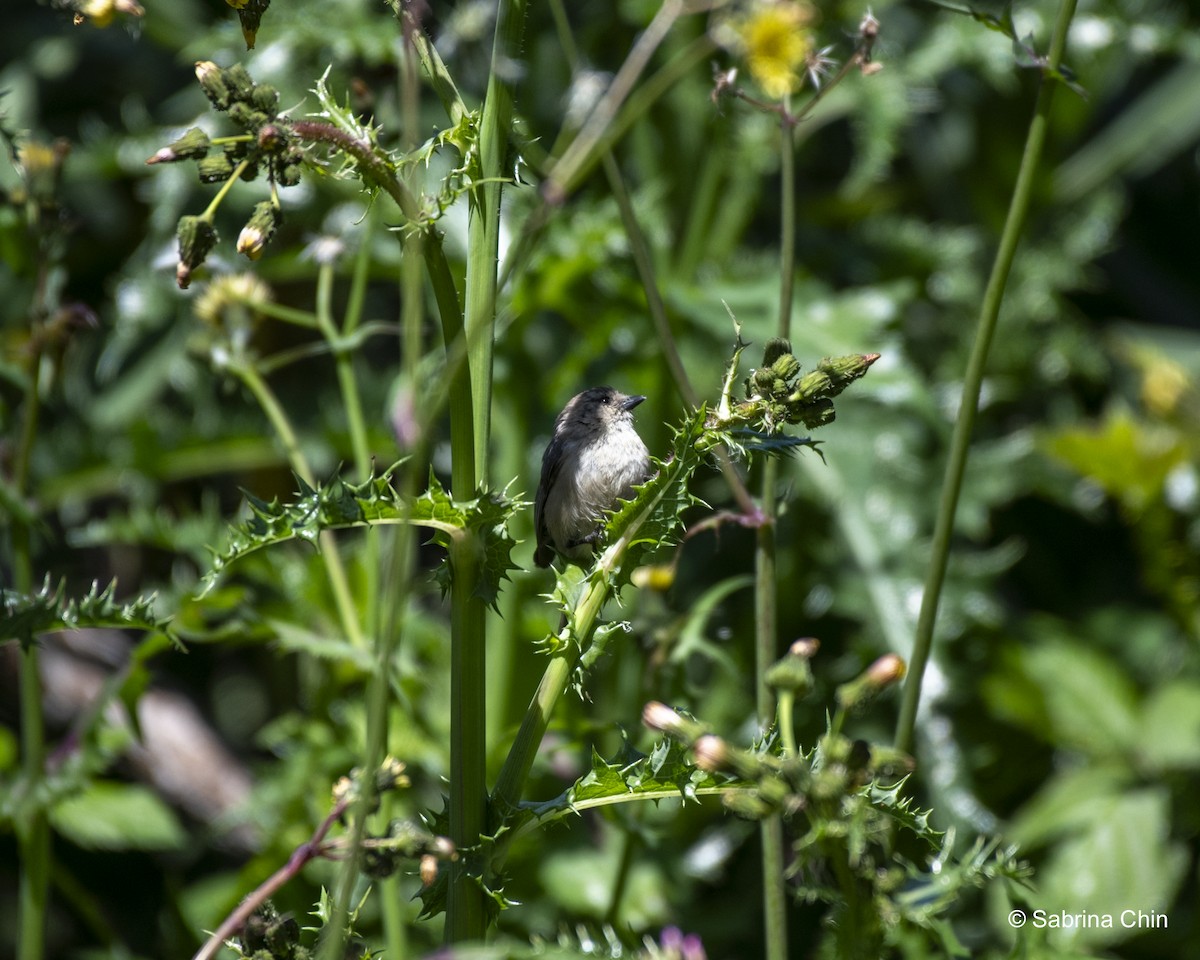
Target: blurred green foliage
(1063,707)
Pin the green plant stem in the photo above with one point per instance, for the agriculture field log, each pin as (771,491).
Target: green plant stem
(658,314)
(787,729)
(766,633)
(220,195)
(563,175)
(640,101)
(334,569)
(989,313)
(33,828)
(466,916)
(565,658)
(33,834)
(377,691)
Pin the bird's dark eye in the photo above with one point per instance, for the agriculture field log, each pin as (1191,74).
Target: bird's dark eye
(604,399)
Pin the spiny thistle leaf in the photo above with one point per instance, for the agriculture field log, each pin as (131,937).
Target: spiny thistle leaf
(478,861)
(936,887)
(902,810)
(24,616)
(346,120)
(337,504)
(667,772)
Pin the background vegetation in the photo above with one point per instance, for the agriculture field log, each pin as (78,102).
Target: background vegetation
(1062,706)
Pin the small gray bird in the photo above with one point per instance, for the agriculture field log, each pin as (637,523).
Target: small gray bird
(594,459)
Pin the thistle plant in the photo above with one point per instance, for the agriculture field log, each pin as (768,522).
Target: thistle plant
(837,807)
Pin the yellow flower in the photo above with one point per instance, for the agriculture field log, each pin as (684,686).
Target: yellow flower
(1164,384)
(102,12)
(776,43)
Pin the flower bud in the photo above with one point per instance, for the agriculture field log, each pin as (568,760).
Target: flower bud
(792,673)
(250,13)
(271,137)
(813,414)
(764,380)
(212,82)
(744,804)
(429,869)
(658,716)
(259,229)
(805,647)
(887,671)
(712,754)
(786,366)
(197,236)
(214,169)
(265,97)
(843,371)
(812,386)
(193,144)
(775,348)
(241,85)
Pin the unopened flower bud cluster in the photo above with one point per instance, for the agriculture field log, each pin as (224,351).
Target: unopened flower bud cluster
(266,142)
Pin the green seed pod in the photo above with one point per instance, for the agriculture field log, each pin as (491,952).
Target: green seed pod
(214,169)
(775,348)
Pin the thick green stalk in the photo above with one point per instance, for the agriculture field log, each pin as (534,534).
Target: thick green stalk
(466,917)
(33,829)
(563,661)
(1018,211)
(483,232)
(376,738)
(766,634)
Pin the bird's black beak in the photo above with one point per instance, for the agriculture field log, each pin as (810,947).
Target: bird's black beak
(630,402)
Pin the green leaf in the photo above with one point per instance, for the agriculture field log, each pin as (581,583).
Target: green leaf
(117,816)
(1124,859)
(666,772)
(1068,803)
(1130,460)
(24,616)
(1081,699)
(1169,734)
(337,504)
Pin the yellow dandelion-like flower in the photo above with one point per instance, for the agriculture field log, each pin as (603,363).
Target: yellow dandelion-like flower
(776,43)
(1164,384)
